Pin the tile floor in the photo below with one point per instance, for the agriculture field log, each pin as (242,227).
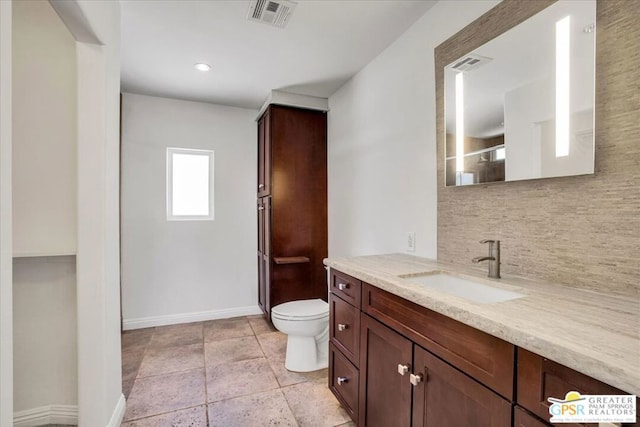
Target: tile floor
(224,373)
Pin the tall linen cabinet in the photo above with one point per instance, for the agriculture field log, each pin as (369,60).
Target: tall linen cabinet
(292,205)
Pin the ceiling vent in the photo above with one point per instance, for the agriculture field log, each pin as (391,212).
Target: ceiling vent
(272,12)
(469,62)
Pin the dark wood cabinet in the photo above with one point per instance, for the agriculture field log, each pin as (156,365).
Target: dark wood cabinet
(264,155)
(420,368)
(385,391)
(292,192)
(484,357)
(445,397)
(522,418)
(344,340)
(344,380)
(540,378)
(264,253)
(345,328)
(403,384)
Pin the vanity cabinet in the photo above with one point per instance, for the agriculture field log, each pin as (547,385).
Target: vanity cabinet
(344,340)
(540,378)
(292,205)
(385,366)
(447,397)
(522,418)
(419,368)
(404,385)
(397,357)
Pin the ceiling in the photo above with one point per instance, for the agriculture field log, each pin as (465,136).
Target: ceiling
(324,44)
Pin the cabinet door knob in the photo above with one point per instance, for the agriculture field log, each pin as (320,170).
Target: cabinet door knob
(343,286)
(416,379)
(403,369)
(261,186)
(342,380)
(342,327)
(261,208)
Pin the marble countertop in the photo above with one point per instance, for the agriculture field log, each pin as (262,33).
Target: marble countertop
(593,333)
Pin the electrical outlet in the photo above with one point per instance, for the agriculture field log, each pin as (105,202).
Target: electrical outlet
(411,241)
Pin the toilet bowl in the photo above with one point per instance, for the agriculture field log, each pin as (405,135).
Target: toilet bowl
(306,323)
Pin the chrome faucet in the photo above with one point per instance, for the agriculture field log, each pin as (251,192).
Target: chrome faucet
(493,258)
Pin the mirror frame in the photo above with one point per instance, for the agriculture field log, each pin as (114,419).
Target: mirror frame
(498,20)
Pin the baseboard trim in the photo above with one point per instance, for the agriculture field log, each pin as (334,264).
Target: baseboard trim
(118,412)
(174,319)
(50,414)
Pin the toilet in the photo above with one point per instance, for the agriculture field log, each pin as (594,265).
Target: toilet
(306,323)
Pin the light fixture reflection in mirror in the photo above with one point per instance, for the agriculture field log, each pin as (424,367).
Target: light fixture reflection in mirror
(459,123)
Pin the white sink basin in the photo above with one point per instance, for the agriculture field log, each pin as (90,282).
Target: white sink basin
(464,288)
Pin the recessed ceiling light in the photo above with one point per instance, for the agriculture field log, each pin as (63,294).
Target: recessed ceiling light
(201,66)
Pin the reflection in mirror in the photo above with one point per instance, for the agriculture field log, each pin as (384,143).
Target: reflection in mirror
(521,106)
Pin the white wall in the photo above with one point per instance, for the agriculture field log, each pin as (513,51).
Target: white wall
(6,250)
(44,209)
(382,142)
(179,271)
(45,356)
(44,131)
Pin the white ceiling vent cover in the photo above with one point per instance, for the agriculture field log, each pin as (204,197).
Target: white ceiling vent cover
(272,12)
(469,62)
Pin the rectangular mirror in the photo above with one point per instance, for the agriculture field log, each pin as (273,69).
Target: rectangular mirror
(521,106)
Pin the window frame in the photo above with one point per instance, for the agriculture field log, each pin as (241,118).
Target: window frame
(169,184)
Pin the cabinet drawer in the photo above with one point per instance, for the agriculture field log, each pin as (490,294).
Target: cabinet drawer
(346,287)
(540,378)
(524,419)
(345,328)
(486,358)
(343,381)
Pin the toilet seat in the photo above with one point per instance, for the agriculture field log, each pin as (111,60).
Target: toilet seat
(310,309)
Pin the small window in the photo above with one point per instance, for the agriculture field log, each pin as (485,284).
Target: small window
(499,154)
(189,184)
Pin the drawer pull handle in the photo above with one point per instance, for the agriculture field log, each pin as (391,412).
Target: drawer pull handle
(416,379)
(342,327)
(342,380)
(403,369)
(343,286)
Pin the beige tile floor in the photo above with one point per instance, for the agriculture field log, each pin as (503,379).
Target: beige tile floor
(223,373)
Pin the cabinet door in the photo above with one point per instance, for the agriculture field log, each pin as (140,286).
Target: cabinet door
(264,255)
(524,419)
(385,394)
(264,155)
(445,397)
(261,270)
